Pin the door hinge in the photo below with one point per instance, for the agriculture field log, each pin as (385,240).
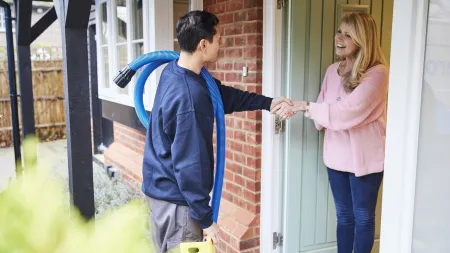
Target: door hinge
(277,240)
(279,125)
(281,4)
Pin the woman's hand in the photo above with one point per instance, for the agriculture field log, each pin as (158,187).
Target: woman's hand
(286,111)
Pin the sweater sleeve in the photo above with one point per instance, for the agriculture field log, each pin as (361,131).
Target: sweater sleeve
(364,105)
(192,166)
(236,100)
(321,98)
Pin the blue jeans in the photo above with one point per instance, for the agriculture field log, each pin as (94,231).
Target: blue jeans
(355,199)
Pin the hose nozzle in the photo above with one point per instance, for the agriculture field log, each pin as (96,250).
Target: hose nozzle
(124,76)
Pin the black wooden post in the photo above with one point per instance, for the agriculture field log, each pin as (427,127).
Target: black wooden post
(12,86)
(23,10)
(74,17)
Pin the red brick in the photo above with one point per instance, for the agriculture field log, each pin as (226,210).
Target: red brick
(250,196)
(236,168)
(211,66)
(255,14)
(252,52)
(233,53)
(239,201)
(240,114)
(238,124)
(254,27)
(240,41)
(219,76)
(234,5)
(230,134)
(233,77)
(239,180)
(227,42)
(250,150)
(234,29)
(229,121)
(253,3)
(209,2)
(225,18)
(255,40)
(254,138)
(224,65)
(226,195)
(238,135)
(255,115)
(234,188)
(254,88)
(239,158)
(229,175)
(254,162)
(240,16)
(229,155)
(253,186)
(250,173)
(236,146)
(252,126)
(248,244)
(224,236)
(221,53)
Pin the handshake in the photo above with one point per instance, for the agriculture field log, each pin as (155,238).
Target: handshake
(286,108)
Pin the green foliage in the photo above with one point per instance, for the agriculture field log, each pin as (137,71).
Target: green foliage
(34,218)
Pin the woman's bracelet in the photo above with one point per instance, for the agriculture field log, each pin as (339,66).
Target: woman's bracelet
(307,109)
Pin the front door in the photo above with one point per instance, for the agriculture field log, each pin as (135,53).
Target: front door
(309,219)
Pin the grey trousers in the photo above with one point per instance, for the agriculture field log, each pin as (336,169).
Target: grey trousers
(171,225)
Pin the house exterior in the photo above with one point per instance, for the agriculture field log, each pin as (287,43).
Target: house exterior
(48,45)
(276,197)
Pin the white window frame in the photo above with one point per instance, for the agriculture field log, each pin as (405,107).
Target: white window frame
(157,25)
(2,20)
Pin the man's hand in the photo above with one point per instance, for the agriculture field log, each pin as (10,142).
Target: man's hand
(285,111)
(213,232)
(277,101)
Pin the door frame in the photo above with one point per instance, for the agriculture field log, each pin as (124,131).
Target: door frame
(409,30)
(271,175)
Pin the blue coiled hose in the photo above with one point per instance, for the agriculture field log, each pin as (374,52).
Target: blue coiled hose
(153,60)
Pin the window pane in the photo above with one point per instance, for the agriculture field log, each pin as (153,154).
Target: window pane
(122,56)
(138,22)
(106,79)
(432,205)
(138,50)
(121,20)
(104,24)
(180,7)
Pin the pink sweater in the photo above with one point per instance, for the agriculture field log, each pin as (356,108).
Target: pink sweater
(355,123)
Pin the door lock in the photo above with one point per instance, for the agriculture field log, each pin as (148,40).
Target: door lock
(279,125)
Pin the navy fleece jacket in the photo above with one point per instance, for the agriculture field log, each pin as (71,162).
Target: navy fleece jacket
(178,164)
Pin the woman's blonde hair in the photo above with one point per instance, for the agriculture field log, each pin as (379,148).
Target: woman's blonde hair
(363,30)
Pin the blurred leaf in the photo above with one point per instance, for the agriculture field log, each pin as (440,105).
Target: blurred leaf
(35,218)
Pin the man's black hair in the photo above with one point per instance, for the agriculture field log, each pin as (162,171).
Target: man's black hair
(194,27)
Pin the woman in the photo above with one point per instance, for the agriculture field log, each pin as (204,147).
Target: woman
(351,107)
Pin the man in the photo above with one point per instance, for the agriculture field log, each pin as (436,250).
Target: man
(178,162)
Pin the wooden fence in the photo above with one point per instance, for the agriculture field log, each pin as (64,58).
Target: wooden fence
(48,92)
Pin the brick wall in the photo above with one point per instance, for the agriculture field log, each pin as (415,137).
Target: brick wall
(241,29)
(126,152)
